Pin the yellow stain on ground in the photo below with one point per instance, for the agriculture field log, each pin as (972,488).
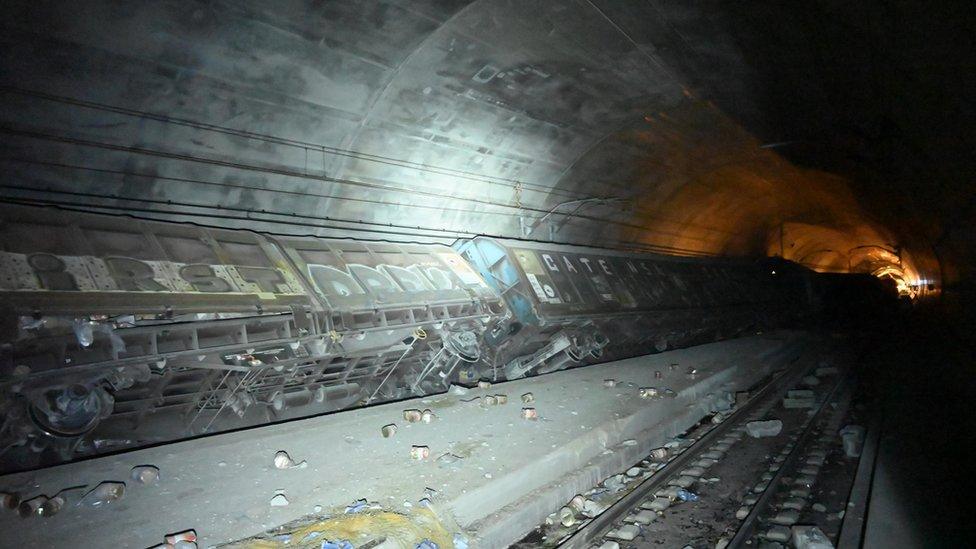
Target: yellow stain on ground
(379,529)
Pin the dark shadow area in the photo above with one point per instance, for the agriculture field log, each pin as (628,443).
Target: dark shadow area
(917,373)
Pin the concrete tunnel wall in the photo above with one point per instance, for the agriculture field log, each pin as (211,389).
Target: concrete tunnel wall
(435,118)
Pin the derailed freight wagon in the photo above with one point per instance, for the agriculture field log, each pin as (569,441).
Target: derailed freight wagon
(116,332)
(576,305)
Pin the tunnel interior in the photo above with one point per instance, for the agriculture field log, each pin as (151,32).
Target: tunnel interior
(274,150)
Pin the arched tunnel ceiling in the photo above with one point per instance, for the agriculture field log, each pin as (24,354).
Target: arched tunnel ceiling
(719,128)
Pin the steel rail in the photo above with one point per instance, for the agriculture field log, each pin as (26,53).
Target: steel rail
(747,527)
(601,523)
(855,518)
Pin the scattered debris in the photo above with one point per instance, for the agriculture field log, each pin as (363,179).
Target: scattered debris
(528,398)
(389,430)
(419,452)
(685,495)
(592,508)
(819,507)
(103,494)
(460,541)
(427,416)
(669,493)
(502,399)
(530,413)
(427,544)
(337,544)
(567,517)
(658,374)
(484,385)
(629,442)
(457,390)
(83,332)
(279,499)
(811,381)
(723,402)
(768,428)
(52,506)
(614,483)
(798,398)
(283,461)
(9,500)
(626,532)
(692,373)
(641,517)
(317,509)
(649,392)
(491,400)
(634,472)
(810,537)
(778,533)
(693,471)
(853,438)
(412,416)
(31,506)
(609,383)
(659,454)
(184,536)
(577,503)
(449,461)
(786,517)
(145,474)
(357,506)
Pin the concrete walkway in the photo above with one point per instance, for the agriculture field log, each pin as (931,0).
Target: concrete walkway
(513,472)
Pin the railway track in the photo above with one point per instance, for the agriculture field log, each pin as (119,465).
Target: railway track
(779,504)
(767,481)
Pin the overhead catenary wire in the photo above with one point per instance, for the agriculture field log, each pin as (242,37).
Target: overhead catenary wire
(519,209)
(378,232)
(325,149)
(517,186)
